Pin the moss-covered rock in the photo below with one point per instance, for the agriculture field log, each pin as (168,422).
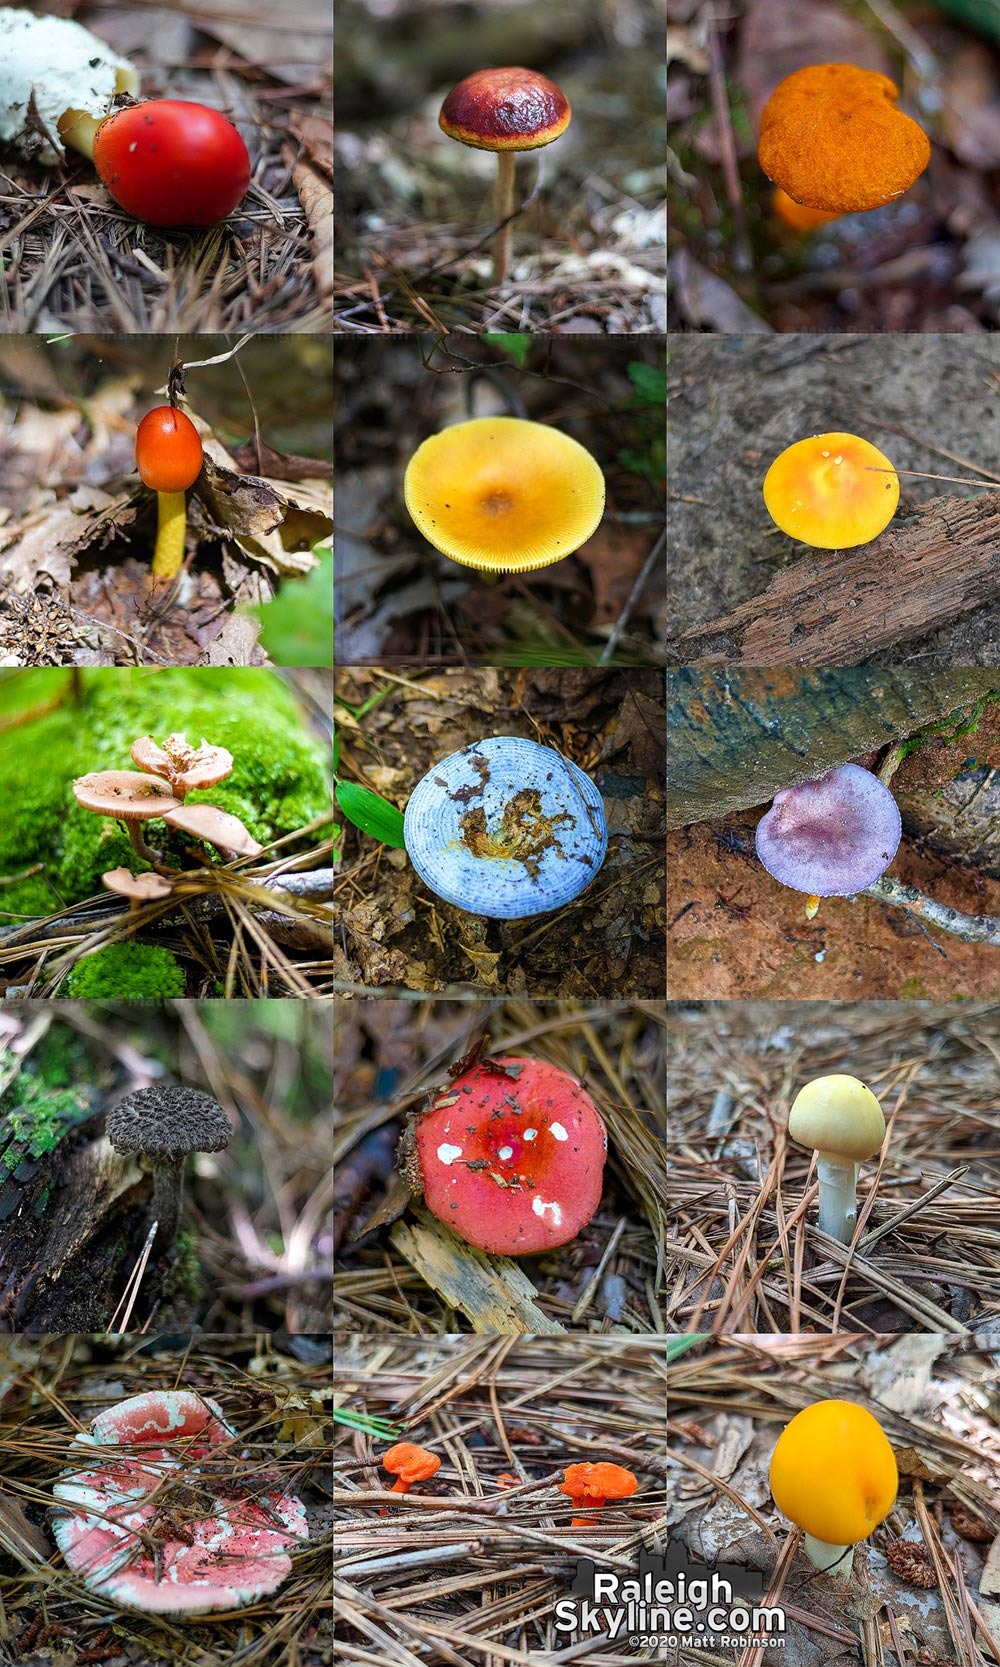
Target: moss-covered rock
(279,780)
(128,972)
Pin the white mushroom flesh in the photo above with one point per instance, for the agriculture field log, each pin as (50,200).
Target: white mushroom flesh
(66,67)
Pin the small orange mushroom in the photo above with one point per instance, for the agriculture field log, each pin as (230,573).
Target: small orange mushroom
(168,456)
(796,216)
(832,138)
(591,1485)
(832,491)
(409,1464)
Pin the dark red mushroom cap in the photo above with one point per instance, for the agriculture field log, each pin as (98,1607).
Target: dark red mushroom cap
(512,1159)
(505,109)
(171,162)
(831,837)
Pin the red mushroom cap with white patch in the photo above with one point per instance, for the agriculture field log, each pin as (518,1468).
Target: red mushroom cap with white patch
(512,1159)
(234,1547)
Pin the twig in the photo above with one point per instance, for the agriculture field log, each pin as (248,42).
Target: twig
(632,598)
(970,928)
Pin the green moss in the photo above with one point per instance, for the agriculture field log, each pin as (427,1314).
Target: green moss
(279,780)
(128,972)
(38,1107)
(912,989)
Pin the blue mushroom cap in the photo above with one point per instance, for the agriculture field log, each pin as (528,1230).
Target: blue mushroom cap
(506,828)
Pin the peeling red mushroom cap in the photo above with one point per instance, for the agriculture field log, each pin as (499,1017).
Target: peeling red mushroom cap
(505,109)
(218,827)
(171,162)
(114,1534)
(831,837)
(511,1156)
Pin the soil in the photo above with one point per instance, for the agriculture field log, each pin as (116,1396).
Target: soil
(394,932)
(734,403)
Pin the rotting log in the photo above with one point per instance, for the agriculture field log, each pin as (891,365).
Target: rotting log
(736,737)
(837,607)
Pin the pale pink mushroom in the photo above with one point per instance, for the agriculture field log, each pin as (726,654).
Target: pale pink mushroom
(128,797)
(221,829)
(154,1531)
(138,888)
(187,768)
(831,837)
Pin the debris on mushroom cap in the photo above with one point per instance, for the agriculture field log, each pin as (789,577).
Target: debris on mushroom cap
(598,1482)
(505,109)
(837,1115)
(831,136)
(504,495)
(167,1122)
(831,837)
(513,1163)
(184,766)
(126,794)
(832,491)
(410,1463)
(64,67)
(173,162)
(833,1472)
(141,888)
(221,829)
(116,1531)
(506,828)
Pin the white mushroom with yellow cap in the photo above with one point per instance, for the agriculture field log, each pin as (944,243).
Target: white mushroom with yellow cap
(842,1121)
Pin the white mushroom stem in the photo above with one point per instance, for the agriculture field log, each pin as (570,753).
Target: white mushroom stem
(832,1559)
(838,1197)
(506,168)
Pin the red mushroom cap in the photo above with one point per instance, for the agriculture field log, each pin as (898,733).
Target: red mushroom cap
(172,163)
(116,1532)
(512,1159)
(505,109)
(168,452)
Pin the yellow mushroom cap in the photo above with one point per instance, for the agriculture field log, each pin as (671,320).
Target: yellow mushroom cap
(826,491)
(503,494)
(833,1472)
(837,1115)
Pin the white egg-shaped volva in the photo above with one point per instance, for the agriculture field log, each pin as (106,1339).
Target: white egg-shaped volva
(506,828)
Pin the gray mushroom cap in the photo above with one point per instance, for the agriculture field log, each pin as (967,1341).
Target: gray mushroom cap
(166,1122)
(506,828)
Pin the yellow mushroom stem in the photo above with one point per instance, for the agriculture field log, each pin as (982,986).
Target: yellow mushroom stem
(78,129)
(812,905)
(171,525)
(503,247)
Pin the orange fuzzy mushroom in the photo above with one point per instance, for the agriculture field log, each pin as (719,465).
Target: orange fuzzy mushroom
(832,138)
(831,491)
(409,1464)
(591,1485)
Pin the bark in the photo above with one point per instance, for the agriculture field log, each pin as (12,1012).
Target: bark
(737,737)
(837,607)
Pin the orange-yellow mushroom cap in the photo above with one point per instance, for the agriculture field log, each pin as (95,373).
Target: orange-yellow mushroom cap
(832,137)
(833,1472)
(504,495)
(827,491)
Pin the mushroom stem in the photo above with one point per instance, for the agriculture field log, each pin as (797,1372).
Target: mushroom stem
(838,1197)
(401,1486)
(171,524)
(139,845)
(506,166)
(832,1559)
(812,906)
(78,129)
(168,1191)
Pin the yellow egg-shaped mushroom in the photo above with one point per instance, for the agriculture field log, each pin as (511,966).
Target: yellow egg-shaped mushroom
(833,1473)
(503,494)
(832,491)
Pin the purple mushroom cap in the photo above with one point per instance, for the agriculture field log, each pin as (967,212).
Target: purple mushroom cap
(831,837)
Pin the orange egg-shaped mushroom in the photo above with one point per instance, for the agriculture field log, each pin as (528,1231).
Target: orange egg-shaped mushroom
(832,491)
(168,456)
(503,494)
(832,138)
(833,1473)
